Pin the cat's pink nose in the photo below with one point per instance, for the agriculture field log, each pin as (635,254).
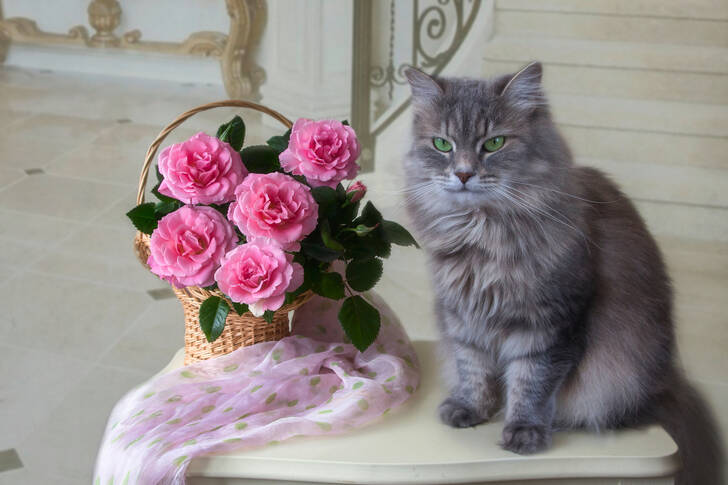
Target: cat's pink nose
(464,176)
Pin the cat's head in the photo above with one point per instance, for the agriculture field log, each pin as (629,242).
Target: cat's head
(482,143)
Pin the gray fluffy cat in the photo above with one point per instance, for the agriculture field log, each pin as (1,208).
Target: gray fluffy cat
(552,298)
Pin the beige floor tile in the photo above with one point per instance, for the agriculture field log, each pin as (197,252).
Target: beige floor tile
(17,255)
(100,254)
(58,129)
(10,175)
(47,377)
(34,229)
(152,341)
(118,164)
(67,440)
(115,215)
(24,476)
(66,316)
(9,117)
(49,195)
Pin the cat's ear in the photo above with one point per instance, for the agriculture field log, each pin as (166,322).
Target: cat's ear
(424,87)
(523,89)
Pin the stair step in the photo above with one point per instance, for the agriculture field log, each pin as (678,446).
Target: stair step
(625,83)
(694,9)
(659,182)
(646,147)
(589,26)
(627,55)
(641,115)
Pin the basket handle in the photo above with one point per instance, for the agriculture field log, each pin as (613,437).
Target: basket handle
(230,103)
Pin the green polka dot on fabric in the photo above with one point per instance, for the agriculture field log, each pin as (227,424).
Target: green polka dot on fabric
(390,379)
(386,411)
(227,410)
(320,348)
(290,404)
(155,414)
(314,381)
(326,411)
(408,361)
(256,388)
(324,426)
(212,430)
(255,373)
(175,398)
(363,404)
(270,398)
(189,442)
(207,409)
(333,389)
(126,479)
(276,355)
(179,460)
(338,349)
(230,368)
(371,374)
(386,389)
(154,442)
(244,416)
(409,389)
(273,443)
(310,406)
(232,440)
(303,372)
(212,389)
(174,421)
(187,374)
(133,442)
(149,394)
(357,385)
(138,414)
(241,426)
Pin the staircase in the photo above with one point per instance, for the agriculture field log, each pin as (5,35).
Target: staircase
(640,90)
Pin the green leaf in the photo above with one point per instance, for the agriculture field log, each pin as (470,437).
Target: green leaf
(213,313)
(161,209)
(361,230)
(268,316)
(360,321)
(329,285)
(317,250)
(327,200)
(144,217)
(362,275)
(233,132)
(221,208)
(398,235)
(279,143)
(240,308)
(260,159)
(345,122)
(370,216)
(328,239)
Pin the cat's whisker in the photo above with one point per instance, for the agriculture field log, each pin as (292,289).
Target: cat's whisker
(511,179)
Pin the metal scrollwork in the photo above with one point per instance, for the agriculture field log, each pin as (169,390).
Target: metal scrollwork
(438,30)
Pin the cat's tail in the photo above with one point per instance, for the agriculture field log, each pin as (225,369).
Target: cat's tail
(685,415)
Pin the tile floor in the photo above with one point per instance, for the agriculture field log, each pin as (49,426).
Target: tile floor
(82,322)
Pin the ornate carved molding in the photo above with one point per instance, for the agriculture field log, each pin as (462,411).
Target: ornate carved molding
(241,75)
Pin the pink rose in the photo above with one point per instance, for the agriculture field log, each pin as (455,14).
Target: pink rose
(324,152)
(258,274)
(356,192)
(188,244)
(276,207)
(202,170)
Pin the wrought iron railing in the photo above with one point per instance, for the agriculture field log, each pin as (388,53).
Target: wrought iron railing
(439,28)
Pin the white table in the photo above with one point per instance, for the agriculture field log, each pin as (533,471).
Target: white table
(415,448)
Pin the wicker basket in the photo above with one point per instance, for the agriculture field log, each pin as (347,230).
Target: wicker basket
(239,330)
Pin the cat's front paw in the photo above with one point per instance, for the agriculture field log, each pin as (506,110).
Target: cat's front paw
(457,414)
(525,438)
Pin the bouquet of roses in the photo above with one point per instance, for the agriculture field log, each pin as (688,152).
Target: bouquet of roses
(264,223)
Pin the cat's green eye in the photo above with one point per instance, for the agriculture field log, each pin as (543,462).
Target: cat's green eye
(494,144)
(442,144)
